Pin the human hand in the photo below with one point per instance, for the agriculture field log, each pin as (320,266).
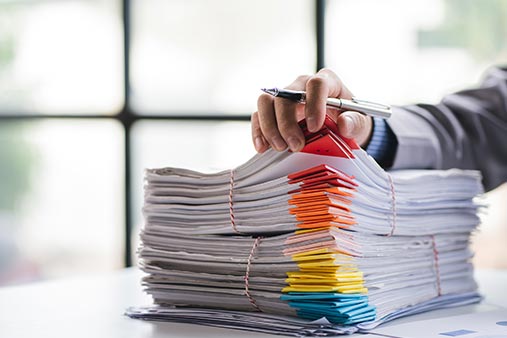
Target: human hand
(275,123)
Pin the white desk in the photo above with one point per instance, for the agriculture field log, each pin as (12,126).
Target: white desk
(94,306)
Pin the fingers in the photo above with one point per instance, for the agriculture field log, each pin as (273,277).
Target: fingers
(287,115)
(319,87)
(278,120)
(258,140)
(267,122)
(354,125)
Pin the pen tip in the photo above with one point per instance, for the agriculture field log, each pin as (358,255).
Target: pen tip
(270,91)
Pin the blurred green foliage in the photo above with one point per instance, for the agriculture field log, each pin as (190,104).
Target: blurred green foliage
(6,50)
(479,26)
(6,37)
(16,161)
(16,157)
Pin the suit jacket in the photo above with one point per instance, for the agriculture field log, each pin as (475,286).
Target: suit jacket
(466,130)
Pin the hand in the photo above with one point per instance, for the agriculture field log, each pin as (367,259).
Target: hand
(275,123)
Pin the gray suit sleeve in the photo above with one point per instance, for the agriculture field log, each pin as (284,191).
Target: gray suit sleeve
(466,130)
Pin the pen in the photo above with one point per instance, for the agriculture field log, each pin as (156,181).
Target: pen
(361,106)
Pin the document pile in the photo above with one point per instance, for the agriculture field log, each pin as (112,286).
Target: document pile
(320,242)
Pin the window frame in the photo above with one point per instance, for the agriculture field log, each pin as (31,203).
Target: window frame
(127,116)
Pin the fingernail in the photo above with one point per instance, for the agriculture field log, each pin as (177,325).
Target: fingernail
(294,143)
(278,143)
(311,123)
(259,144)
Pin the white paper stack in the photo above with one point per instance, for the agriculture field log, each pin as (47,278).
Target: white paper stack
(324,234)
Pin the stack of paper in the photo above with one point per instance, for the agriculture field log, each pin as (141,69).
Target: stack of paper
(324,233)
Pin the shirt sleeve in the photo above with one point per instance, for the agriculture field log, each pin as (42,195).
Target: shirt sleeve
(466,130)
(383,144)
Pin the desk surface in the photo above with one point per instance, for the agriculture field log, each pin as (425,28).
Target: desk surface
(94,306)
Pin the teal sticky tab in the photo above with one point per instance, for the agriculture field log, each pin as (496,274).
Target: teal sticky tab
(352,309)
(338,308)
(361,311)
(337,316)
(321,307)
(336,319)
(359,320)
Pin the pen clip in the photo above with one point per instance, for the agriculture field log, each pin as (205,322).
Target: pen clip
(371,104)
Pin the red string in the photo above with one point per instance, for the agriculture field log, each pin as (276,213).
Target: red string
(393,205)
(437,266)
(231,204)
(247,274)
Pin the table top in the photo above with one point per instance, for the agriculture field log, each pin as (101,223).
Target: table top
(93,306)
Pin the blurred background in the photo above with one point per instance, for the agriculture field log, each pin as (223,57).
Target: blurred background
(92,92)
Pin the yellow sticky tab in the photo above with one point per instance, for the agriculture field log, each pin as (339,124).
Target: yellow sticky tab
(317,264)
(323,288)
(325,274)
(311,253)
(345,268)
(322,253)
(361,290)
(325,278)
(325,281)
(304,231)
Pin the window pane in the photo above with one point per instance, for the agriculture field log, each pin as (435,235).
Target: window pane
(61,57)
(197,56)
(201,146)
(61,204)
(414,51)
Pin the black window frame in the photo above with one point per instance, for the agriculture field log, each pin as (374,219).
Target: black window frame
(127,117)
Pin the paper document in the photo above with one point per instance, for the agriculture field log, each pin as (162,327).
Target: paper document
(492,324)
(287,239)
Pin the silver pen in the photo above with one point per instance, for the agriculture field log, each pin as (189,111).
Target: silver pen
(361,106)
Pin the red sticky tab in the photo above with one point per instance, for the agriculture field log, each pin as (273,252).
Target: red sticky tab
(320,174)
(297,176)
(328,146)
(327,141)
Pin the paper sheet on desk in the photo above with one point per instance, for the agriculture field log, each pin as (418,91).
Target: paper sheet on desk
(491,324)
(284,325)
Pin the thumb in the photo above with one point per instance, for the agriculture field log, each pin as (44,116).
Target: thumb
(354,125)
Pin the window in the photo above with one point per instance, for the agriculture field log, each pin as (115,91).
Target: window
(217,54)
(405,52)
(92,92)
